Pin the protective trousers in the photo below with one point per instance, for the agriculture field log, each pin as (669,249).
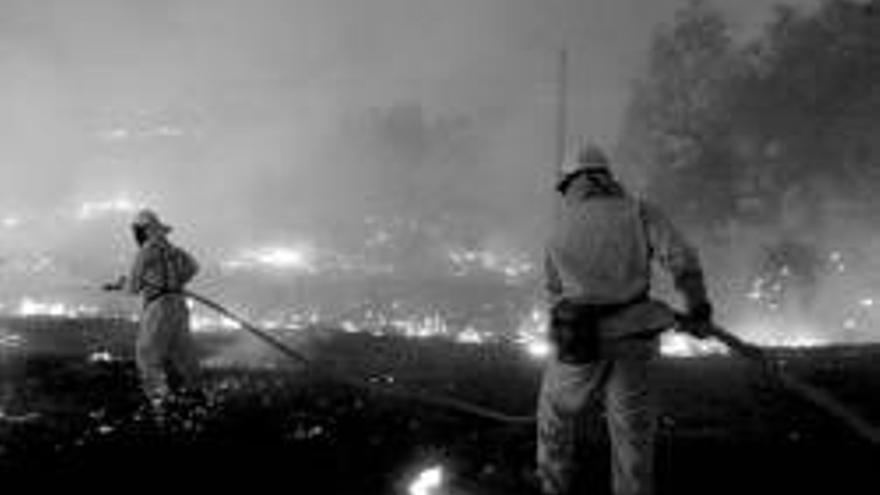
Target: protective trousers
(621,384)
(165,352)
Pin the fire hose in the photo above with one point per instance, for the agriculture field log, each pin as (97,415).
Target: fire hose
(445,402)
(814,395)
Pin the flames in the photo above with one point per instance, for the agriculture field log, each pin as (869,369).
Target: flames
(121,204)
(428,482)
(531,335)
(514,267)
(204,323)
(10,222)
(297,258)
(304,258)
(520,321)
(10,340)
(779,331)
(680,345)
(29,307)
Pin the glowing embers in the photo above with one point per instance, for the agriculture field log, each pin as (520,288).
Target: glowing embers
(514,267)
(532,333)
(142,132)
(102,357)
(471,335)
(121,204)
(779,331)
(429,481)
(28,307)
(10,340)
(538,348)
(295,258)
(682,345)
(205,323)
(422,327)
(10,222)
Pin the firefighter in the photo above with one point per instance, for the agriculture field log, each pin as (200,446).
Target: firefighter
(604,326)
(164,350)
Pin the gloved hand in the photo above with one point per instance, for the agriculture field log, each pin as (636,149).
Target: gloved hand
(698,320)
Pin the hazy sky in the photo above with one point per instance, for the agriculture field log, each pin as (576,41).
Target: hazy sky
(243,117)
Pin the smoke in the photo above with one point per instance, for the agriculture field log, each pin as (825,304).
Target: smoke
(270,120)
(273,113)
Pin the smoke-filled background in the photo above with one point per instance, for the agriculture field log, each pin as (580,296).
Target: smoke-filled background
(408,139)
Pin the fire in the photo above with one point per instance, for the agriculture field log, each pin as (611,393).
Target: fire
(202,323)
(101,357)
(780,332)
(120,134)
(470,335)
(513,267)
(10,222)
(532,334)
(28,307)
(93,209)
(681,345)
(10,340)
(422,327)
(300,258)
(428,482)
(539,348)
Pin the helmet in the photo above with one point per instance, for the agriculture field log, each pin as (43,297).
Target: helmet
(590,159)
(149,220)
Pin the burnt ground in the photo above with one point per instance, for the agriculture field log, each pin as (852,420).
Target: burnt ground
(75,417)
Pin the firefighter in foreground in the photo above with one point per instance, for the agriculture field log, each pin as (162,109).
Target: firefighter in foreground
(604,326)
(164,350)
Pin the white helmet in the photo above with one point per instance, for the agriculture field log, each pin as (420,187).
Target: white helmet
(149,220)
(590,158)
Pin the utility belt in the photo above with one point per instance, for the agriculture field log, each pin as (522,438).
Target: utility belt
(151,298)
(574,327)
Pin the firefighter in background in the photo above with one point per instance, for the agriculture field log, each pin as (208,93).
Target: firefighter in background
(164,350)
(604,326)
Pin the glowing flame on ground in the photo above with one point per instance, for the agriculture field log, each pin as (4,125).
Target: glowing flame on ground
(10,222)
(674,344)
(532,334)
(101,357)
(120,134)
(781,332)
(94,209)
(422,327)
(28,307)
(10,340)
(428,482)
(202,323)
(512,266)
(292,258)
(539,348)
(533,331)
(470,335)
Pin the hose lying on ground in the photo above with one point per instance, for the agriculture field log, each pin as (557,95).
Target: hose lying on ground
(449,403)
(816,396)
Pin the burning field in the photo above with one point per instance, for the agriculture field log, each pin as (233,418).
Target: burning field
(372,186)
(71,411)
(426,350)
